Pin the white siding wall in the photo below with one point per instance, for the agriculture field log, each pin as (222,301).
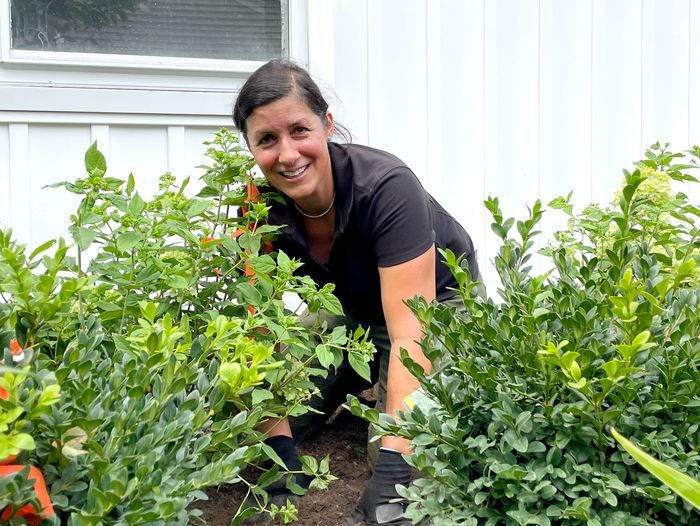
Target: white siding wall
(33,155)
(522,99)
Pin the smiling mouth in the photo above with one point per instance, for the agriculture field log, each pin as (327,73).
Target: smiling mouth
(294,174)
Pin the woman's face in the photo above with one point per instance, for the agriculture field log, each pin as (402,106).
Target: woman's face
(289,143)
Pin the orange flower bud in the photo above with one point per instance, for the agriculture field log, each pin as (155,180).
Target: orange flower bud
(15,347)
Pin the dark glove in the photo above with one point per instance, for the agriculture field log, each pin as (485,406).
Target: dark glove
(375,507)
(278,493)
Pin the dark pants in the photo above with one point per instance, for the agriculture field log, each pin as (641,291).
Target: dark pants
(333,389)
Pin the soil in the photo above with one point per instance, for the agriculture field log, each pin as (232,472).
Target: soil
(344,439)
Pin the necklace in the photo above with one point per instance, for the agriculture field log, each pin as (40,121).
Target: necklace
(316,216)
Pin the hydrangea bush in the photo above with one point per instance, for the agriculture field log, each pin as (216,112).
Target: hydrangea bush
(162,339)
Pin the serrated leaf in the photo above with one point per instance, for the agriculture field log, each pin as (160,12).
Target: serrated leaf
(324,355)
(360,366)
(83,236)
(178,282)
(127,241)
(260,395)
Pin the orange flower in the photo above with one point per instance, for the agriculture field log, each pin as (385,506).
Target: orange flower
(15,347)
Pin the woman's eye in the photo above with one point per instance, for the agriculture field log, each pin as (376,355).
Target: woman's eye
(301,130)
(265,139)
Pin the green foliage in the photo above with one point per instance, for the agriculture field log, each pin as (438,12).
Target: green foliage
(681,483)
(510,427)
(170,341)
(16,491)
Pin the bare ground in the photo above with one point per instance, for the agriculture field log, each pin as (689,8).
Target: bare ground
(344,439)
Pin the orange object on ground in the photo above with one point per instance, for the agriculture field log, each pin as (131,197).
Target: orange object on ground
(32,516)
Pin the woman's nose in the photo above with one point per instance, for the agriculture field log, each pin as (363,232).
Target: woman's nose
(288,153)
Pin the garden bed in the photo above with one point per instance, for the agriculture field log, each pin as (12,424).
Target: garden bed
(344,439)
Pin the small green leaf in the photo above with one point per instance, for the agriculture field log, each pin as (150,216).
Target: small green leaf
(197,207)
(178,282)
(38,250)
(324,355)
(23,441)
(260,395)
(95,159)
(360,365)
(136,205)
(130,183)
(127,241)
(83,236)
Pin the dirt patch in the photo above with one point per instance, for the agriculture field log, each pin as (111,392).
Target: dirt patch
(344,439)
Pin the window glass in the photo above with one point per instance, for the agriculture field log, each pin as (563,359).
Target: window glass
(217,29)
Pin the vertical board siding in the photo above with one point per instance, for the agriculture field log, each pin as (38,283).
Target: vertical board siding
(351,67)
(99,133)
(397,80)
(22,218)
(52,161)
(520,99)
(5,198)
(511,131)
(565,99)
(665,73)
(617,92)
(176,151)
(524,99)
(455,111)
(142,151)
(694,86)
(195,150)
(565,108)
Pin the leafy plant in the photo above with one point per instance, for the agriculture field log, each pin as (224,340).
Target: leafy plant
(170,340)
(510,425)
(679,482)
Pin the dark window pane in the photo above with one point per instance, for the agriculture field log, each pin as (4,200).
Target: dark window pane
(221,29)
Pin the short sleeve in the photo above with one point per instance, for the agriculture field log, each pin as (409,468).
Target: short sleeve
(399,218)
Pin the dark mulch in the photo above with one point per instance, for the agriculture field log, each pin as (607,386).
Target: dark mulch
(344,439)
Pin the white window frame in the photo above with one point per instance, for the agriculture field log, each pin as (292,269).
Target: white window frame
(90,84)
(294,23)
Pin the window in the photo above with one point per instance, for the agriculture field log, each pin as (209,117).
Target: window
(189,34)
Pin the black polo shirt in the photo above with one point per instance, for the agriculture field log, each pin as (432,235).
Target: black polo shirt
(383,217)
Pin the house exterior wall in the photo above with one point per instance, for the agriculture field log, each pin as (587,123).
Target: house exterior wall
(521,99)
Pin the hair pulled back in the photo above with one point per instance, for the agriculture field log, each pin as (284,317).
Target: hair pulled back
(272,81)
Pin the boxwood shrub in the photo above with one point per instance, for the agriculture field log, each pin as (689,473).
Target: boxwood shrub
(511,426)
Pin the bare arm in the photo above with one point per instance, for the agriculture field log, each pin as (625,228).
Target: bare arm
(400,283)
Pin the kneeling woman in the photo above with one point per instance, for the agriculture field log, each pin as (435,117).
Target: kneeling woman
(359,218)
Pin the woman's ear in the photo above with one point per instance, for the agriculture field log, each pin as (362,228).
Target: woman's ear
(330,128)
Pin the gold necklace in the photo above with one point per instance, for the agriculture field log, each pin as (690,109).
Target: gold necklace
(316,216)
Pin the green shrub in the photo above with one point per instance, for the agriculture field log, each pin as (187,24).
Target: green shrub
(512,425)
(170,344)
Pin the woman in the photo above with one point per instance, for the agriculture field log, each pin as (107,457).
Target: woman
(359,218)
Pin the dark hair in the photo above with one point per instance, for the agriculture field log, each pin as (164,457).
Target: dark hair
(274,80)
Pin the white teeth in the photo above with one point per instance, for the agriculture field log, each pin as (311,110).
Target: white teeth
(294,173)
